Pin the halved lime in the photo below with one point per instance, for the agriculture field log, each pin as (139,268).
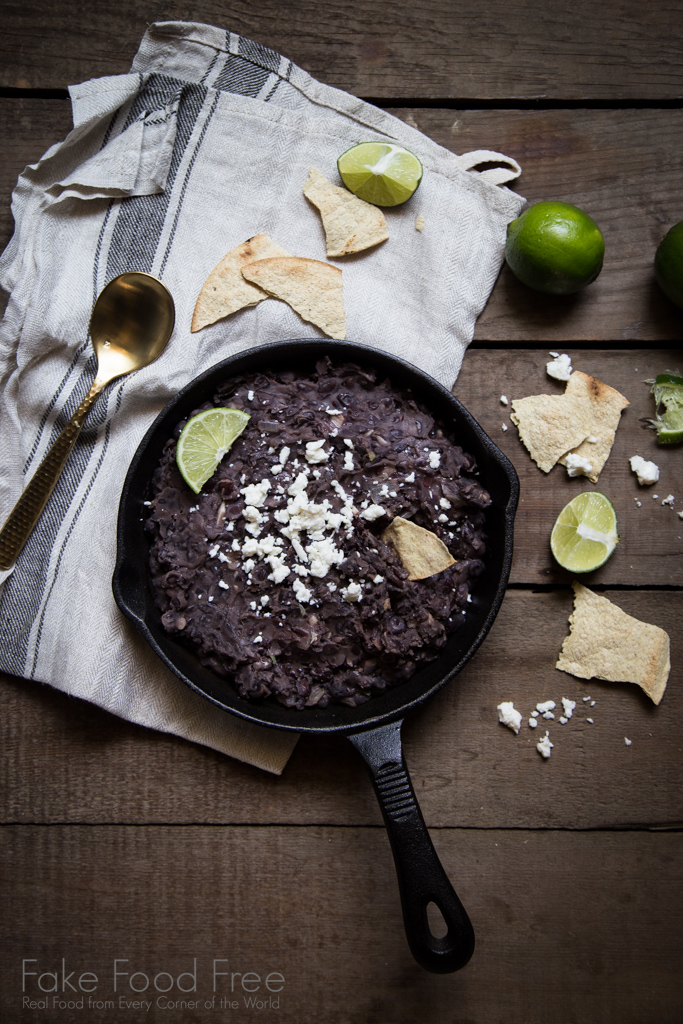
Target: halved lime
(585,532)
(204,441)
(668,391)
(380,172)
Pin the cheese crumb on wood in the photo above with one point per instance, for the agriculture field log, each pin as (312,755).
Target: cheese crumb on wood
(544,746)
(508,715)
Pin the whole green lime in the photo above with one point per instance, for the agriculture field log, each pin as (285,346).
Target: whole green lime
(555,248)
(669,264)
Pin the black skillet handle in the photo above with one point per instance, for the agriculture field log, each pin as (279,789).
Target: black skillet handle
(421,878)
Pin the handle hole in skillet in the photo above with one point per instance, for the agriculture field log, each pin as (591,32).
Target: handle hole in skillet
(435,919)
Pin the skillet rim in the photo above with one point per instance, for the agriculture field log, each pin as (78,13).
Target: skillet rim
(133,591)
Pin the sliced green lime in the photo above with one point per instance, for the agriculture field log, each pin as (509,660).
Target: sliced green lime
(204,441)
(668,391)
(585,532)
(380,172)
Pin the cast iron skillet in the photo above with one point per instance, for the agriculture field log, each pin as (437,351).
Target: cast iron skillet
(374,727)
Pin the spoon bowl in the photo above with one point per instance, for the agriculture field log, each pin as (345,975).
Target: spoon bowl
(131,323)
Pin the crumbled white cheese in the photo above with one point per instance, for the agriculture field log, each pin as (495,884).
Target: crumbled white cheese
(568,706)
(669,500)
(627,741)
(348,462)
(503,426)
(223,585)
(315,452)
(373,512)
(590,720)
(444,503)
(544,746)
(258,639)
(435,459)
(348,442)
(301,592)
(353,592)
(533,724)
(592,439)
(378,579)
(546,705)
(443,518)
(410,479)
(548,714)
(504,400)
(534,714)
(214,551)
(253,606)
(577,465)
(255,494)
(250,396)
(560,367)
(280,569)
(334,412)
(647,472)
(508,715)
(562,720)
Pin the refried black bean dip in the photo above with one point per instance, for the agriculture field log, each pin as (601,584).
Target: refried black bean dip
(275,574)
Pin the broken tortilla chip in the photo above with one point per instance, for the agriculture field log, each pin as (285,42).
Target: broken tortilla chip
(312,288)
(350,224)
(225,290)
(422,553)
(550,426)
(604,406)
(606,643)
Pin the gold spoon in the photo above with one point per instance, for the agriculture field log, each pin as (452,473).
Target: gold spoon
(131,323)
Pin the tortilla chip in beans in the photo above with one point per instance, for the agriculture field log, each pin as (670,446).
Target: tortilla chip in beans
(421,552)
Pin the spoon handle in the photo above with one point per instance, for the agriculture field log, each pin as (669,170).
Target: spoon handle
(28,508)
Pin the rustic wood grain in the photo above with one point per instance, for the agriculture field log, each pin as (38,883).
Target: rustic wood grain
(434,49)
(66,761)
(570,927)
(651,535)
(625,169)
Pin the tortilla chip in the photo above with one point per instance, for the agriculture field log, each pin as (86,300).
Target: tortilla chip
(606,643)
(550,425)
(225,290)
(350,224)
(604,406)
(312,288)
(420,551)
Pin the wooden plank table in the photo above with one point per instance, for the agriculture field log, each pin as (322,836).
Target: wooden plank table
(121,843)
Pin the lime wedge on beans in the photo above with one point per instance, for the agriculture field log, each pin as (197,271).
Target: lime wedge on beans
(204,441)
(380,172)
(585,532)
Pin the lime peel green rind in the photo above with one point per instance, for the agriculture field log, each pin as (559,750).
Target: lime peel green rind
(585,533)
(204,441)
(555,248)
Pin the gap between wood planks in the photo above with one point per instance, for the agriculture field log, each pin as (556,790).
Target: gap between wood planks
(438,103)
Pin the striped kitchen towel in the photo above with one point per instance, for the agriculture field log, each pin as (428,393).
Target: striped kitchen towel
(205,143)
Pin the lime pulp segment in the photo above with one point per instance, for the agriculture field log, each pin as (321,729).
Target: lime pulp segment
(585,533)
(380,173)
(203,442)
